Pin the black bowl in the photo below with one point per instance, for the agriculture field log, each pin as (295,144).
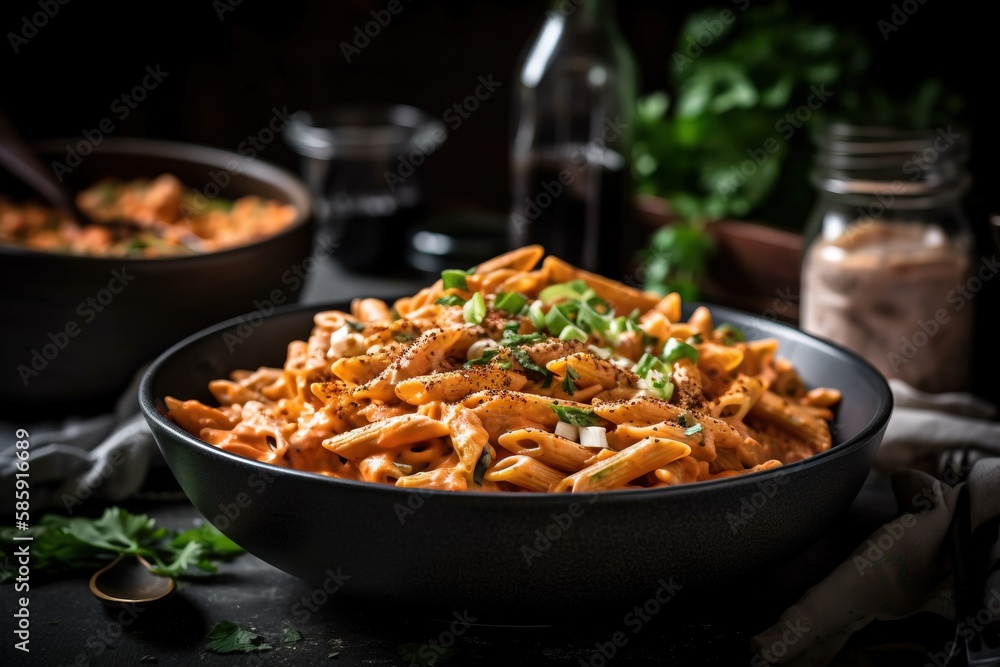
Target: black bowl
(64,353)
(524,554)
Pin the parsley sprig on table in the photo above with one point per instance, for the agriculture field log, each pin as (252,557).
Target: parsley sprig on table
(64,545)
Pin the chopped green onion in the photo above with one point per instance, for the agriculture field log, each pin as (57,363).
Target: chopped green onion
(556,321)
(573,333)
(571,290)
(451,300)
(589,319)
(697,428)
(675,350)
(731,334)
(454,279)
(664,388)
(647,362)
(579,417)
(536,314)
(474,309)
(402,337)
(512,302)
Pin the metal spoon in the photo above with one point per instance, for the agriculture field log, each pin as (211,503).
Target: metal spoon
(129,579)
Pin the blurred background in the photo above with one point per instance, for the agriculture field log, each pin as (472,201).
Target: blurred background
(228,67)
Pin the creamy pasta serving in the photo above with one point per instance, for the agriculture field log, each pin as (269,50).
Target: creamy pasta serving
(517,377)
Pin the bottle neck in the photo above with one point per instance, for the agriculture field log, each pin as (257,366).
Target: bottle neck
(585,12)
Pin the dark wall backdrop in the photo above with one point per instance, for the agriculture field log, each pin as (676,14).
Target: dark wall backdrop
(228,65)
(227,72)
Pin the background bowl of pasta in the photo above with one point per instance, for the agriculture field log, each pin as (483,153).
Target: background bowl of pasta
(86,307)
(449,450)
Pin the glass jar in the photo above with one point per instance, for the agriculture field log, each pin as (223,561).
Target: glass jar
(888,252)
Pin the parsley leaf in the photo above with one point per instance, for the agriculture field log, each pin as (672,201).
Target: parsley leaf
(290,636)
(483,360)
(579,417)
(227,637)
(66,545)
(511,338)
(568,385)
(521,357)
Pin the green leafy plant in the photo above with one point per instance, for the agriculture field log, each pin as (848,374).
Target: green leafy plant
(64,545)
(735,137)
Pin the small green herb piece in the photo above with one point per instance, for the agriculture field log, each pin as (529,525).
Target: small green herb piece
(454,279)
(647,362)
(511,302)
(696,339)
(589,319)
(573,332)
(474,309)
(579,417)
(290,636)
(536,314)
(355,326)
(511,338)
(684,420)
(691,430)
(451,300)
(558,292)
(227,637)
(65,545)
(675,350)
(521,357)
(556,320)
(663,388)
(731,334)
(568,385)
(481,465)
(483,360)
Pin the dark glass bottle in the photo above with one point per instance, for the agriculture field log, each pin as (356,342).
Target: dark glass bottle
(570,162)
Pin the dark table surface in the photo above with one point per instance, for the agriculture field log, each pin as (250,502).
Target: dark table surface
(70,627)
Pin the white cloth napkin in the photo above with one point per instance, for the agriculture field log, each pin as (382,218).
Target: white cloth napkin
(104,457)
(903,567)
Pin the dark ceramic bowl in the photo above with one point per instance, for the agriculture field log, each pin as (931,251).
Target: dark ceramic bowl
(525,554)
(76,329)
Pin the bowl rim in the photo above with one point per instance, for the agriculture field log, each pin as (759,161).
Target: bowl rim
(155,419)
(200,154)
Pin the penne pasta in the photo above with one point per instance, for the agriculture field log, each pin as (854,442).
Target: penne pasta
(522,374)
